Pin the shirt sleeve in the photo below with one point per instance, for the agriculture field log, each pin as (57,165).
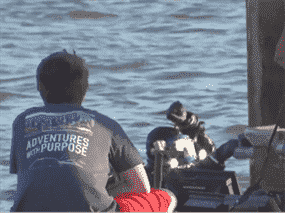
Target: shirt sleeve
(123,154)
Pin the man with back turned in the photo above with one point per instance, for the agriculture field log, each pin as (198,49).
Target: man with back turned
(61,151)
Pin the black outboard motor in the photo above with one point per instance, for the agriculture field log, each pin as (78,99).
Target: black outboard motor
(158,170)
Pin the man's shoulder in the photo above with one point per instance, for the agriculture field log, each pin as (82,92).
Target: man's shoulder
(27,112)
(102,119)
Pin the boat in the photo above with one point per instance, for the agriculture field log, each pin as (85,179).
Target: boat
(210,190)
(199,190)
(204,190)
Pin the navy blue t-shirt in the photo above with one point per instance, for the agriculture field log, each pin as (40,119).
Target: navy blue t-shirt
(61,154)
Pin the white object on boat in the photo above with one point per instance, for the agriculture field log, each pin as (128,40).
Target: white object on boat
(173,163)
(186,144)
(202,154)
(159,145)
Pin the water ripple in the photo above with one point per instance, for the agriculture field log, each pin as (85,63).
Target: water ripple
(181,75)
(8,46)
(134,65)
(89,15)
(159,113)
(183,16)
(141,124)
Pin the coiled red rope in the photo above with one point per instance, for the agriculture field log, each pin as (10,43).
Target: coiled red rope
(155,201)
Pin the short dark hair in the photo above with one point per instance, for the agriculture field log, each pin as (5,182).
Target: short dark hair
(64,77)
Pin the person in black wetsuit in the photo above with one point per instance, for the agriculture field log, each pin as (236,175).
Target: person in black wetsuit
(61,151)
(186,145)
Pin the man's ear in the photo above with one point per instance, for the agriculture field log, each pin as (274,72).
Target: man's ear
(84,98)
(41,89)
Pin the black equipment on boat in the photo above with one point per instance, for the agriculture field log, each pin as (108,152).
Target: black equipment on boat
(212,181)
(211,191)
(256,186)
(202,190)
(158,169)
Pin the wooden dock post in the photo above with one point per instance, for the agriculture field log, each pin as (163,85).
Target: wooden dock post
(265,21)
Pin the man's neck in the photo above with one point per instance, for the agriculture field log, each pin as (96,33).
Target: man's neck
(63,105)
